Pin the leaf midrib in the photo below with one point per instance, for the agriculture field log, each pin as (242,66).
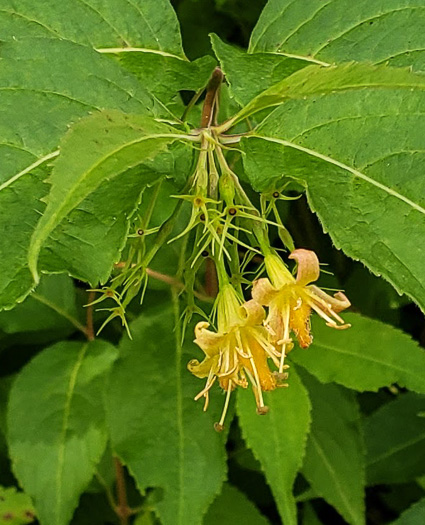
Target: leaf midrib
(334,476)
(343,166)
(65,422)
(367,358)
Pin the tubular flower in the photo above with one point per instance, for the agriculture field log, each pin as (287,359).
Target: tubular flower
(238,351)
(291,299)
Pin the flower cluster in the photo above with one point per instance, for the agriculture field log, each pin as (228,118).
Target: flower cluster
(220,239)
(246,338)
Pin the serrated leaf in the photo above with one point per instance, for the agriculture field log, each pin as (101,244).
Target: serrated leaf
(150,401)
(260,70)
(395,441)
(414,515)
(368,356)
(338,31)
(278,439)
(15,507)
(98,149)
(232,506)
(144,24)
(56,425)
(37,105)
(315,80)
(359,150)
(334,463)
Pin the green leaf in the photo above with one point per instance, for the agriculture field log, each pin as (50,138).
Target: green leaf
(334,463)
(278,439)
(314,80)
(395,441)
(339,30)
(56,425)
(106,144)
(143,24)
(360,137)
(415,515)
(151,401)
(41,105)
(260,70)
(232,506)
(166,75)
(367,356)
(52,307)
(309,515)
(15,507)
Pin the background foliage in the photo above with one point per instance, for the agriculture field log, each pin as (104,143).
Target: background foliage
(336,90)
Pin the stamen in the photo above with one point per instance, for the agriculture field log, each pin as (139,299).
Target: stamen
(285,339)
(219,427)
(260,400)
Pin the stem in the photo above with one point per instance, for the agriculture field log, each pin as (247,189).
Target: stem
(89,317)
(122,509)
(211,98)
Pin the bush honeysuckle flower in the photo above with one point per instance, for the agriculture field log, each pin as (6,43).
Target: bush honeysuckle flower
(238,351)
(291,299)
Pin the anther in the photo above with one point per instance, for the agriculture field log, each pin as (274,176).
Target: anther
(218,427)
(140,232)
(262,411)
(276,194)
(232,211)
(198,202)
(202,217)
(205,253)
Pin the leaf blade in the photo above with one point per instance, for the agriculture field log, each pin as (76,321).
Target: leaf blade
(282,458)
(74,432)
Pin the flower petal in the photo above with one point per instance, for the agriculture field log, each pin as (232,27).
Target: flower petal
(208,341)
(203,369)
(308,266)
(252,313)
(263,292)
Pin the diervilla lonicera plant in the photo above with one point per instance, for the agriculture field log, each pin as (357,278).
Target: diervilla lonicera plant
(162,222)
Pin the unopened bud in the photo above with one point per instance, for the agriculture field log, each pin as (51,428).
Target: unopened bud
(226,188)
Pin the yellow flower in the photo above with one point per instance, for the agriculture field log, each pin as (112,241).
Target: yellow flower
(291,299)
(238,351)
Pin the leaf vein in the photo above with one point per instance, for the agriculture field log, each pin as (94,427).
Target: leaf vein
(360,22)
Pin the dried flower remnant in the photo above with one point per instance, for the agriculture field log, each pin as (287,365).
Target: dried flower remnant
(237,352)
(291,300)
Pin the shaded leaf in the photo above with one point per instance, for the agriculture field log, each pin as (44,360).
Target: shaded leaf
(232,506)
(334,463)
(52,307)
(278,439)
(56,425)
(415,515)
(151,401)
(395,441)
(367,356)
(338,30)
